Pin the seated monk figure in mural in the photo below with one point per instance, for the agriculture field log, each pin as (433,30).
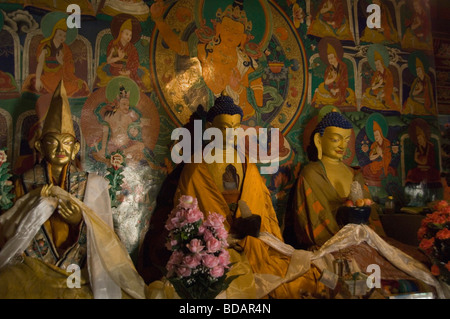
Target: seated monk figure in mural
(55,63)
(324,185)
(61,225)
(237,191)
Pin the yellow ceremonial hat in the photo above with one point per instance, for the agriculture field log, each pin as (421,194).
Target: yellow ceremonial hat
(60,25)
(59,118)
(376,127)
(377,56)
(331,49)
(419,131)
(419,64)
(127,25)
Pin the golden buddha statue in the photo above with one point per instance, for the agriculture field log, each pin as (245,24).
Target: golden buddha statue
(236,190)
(67,218)
(323,186)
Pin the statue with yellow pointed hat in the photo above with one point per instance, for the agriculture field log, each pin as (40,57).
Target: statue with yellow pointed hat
(67,216)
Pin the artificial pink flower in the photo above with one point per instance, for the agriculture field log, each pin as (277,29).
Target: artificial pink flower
(192,261)
(173,223)
(224,258)
(195,245)
(184,271)
(171,243)
(222,233)
(207,234)
(188,202)
(217,271)
(170,269)
(210,261)
(176,258)
(193,215)
(214,220)
(201,229)
(213,245)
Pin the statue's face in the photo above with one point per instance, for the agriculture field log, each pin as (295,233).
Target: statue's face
(335,141)
(224,121)
(58,149)
(231,32)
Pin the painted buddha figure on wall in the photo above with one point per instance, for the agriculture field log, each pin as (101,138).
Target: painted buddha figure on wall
(227,63)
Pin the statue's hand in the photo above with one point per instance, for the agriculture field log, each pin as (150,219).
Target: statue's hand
(46,190)
(248,226)
(233,243)
(70,212)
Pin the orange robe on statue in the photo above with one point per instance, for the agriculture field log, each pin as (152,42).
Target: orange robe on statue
(196,181)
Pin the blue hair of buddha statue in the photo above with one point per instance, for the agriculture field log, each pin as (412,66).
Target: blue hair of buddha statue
(223,105)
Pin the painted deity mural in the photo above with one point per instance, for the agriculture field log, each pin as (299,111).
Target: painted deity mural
(136,70)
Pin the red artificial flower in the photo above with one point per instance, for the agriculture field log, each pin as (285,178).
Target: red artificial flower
(447,265)
(435,270)
(443,234)
(441,205)
(427,244)
(421,232)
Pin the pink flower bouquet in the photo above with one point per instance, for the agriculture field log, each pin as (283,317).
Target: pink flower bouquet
(434,240)
(200,260)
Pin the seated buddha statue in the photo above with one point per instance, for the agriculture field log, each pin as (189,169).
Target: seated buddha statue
(223,188)
(323,186)
(236,190)
(61,223)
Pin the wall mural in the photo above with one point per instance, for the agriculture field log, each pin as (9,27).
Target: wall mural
(135,71)
(255,56)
